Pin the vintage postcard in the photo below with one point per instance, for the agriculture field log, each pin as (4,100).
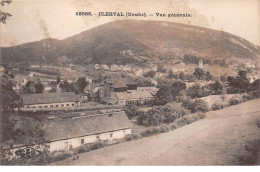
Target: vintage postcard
(129,83)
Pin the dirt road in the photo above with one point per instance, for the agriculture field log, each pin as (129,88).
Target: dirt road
(219,139)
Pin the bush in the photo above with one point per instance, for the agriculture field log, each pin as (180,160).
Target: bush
(154,130)
(201,115)
(58,157)
(174,126)
(128,137)
(82,149)
(185,120)
(195,106)
(223,97)
(97,145)
(235,100)
(216,106)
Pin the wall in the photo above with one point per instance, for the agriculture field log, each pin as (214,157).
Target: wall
(52,105)
(76,142)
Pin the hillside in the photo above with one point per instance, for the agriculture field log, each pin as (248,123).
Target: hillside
(144,40)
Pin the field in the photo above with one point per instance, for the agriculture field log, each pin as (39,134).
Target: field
(224,137)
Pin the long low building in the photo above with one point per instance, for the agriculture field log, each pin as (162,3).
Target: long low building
(50,100)
(68,133)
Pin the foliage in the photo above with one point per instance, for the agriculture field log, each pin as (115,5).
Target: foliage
(161,114)
(195,106)
(4,15)
(216,106)
(196,91)
(185,120)
(182,76)
(171,75)
(161,69)
(235,100)
(150,74)
(199,74)
(216,88)
(131,111)
(154,130)
(239,84)
(167,93)
(130,137)
(208,76)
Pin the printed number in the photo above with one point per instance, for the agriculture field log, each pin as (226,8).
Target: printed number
(83,14)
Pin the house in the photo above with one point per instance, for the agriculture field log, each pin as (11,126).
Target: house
(127,68)
(111,86)
(118,85)
(114,67)
(252,78)
(61,134)
(250,65)
(105,67)
(179,67)
(121,67)
(97,66)
(49,100)
(133,97)
(139,72)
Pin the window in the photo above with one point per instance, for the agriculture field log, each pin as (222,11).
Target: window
(51,106)
(57,105)
(82,141)
(45,106)
(72,104)
(40,106)
(111,135)
(62,105)
(68,104)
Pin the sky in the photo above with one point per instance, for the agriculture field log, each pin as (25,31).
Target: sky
(34,20)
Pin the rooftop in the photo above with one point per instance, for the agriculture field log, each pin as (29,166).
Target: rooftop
(46,98)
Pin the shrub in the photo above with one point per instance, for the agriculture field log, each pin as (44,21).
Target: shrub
(136,136)
(201,105)
(174,126)
(201,115)
(96,145)
(128,137)
(223,97)
(154,130)
(216,106)
(58,157)
(235,100)
(246,97)
(82,149)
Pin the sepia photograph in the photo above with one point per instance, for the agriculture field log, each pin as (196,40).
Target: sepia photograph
(129,83)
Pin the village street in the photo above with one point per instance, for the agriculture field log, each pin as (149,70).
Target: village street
(219,139)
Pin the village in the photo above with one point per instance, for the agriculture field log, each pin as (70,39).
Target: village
(65,108)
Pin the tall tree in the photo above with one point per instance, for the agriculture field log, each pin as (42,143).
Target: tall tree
(199,74)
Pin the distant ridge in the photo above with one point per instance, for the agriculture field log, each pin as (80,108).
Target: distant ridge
(134,41)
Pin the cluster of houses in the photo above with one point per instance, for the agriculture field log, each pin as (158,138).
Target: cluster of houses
(120,91)
(113,67)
